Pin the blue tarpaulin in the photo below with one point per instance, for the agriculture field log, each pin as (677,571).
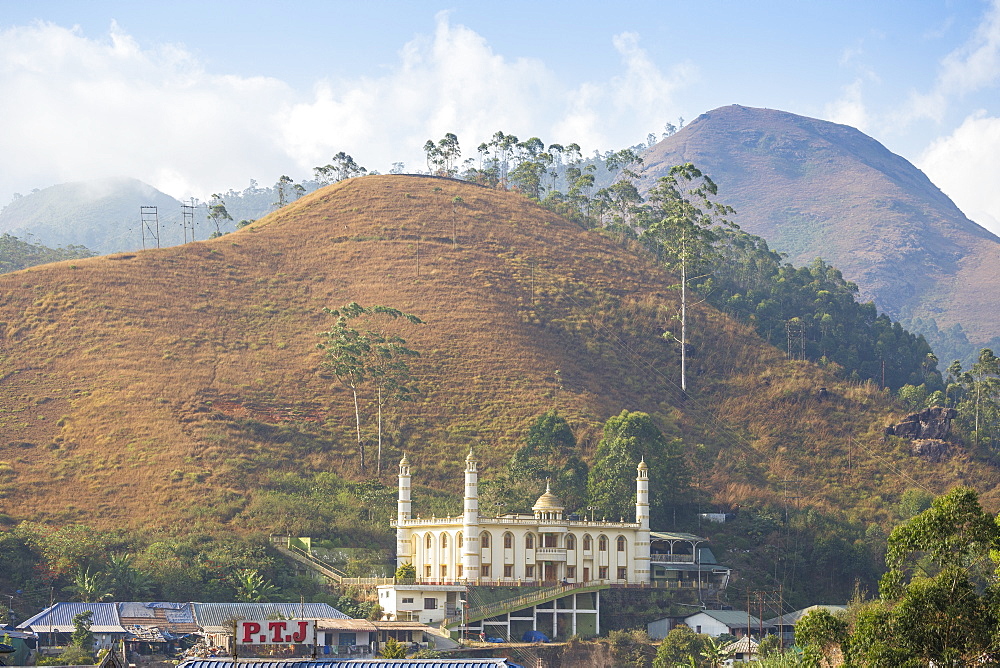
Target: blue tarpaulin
(534,636)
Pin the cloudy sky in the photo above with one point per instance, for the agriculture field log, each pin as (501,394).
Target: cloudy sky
(197,97)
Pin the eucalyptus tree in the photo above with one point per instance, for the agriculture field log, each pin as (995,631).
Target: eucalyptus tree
(373,355)
(218,214)
(681,224)
(282,186)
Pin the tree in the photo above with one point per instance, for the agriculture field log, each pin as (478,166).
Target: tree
(714,653)
(82,637)
(629,438)
(679,644)
(341,167)
(393,649)
(939,596)
(282,186)
(680,225)
(218,214)
(127,582)
(823,632)
(406,573)
(374,355)
(252,587)
(89,587)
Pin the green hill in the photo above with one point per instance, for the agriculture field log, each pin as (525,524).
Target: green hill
(813,189)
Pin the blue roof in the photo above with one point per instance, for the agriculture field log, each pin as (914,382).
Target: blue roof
(354,663)
(59,618)
(222,614)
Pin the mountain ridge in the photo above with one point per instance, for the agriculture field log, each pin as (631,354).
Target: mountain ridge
(818,189)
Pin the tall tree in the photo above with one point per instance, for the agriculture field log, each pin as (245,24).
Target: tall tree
(681,224)
(374,354)
(218,214)
(939,595)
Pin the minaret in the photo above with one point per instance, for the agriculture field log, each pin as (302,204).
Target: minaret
(403,513)
(642,519)
(470,522)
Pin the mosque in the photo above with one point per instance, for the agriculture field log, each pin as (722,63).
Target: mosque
(545,551)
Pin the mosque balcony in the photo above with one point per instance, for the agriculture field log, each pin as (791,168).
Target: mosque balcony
(671,558)
(550,554)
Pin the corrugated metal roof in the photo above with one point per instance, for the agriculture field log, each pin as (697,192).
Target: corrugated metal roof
(734,619)
(59,618)
(221,615)
(355,663)
(792,618)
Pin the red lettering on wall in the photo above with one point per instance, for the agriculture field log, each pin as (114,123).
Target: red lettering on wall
(277,630)
(249,628)
(300,635)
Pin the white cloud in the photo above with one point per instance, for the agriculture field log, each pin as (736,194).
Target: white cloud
(76,108)
(850,108)
(973,66)
(965,165)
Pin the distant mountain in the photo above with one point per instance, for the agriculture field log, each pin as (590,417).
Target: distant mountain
(103,215)
(818,189)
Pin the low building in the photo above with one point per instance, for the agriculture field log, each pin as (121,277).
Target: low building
(743,650)
(718,622)
(216,619)
(54,625)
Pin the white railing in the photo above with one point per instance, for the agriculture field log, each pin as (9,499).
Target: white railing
(671,558)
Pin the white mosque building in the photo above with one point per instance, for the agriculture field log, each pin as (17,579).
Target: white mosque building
(546,548)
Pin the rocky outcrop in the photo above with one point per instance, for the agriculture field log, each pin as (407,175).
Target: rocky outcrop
(930,423)
(932,449)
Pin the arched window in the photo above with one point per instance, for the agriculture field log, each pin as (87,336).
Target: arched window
(508,540)
(621,543)
(529,542)
(484,539)
(602,544)
(414,542)
(461,541)
(570,542)
(429,544)
(588,543)
(444,541)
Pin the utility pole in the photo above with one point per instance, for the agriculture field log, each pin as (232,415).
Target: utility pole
(187,219)
(150,222)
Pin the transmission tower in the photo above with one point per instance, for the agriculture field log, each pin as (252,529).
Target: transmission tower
(187,219)
(796,331)
(150,225)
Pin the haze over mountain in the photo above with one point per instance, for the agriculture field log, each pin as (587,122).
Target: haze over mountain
(103,215)
(818,189)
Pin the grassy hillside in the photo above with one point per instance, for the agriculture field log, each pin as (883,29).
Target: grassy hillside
(819,189)
(182,384)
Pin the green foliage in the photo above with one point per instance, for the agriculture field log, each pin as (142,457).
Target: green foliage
(17,254)
(89,587)
(631,649)
(976,396)
(628,438)
(771,646)
(82,637)
(251,587)
(549,454)
(71,656)
(393,649)
(373,356)
(821,631)
(913,502)
(713,653)
(406,572)
(939,595)
(679,644)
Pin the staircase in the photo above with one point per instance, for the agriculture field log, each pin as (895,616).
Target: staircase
(283,544)
(479,612)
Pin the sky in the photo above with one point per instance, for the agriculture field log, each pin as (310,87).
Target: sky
(202,97)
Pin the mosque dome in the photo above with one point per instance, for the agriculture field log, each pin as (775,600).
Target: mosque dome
(548,501)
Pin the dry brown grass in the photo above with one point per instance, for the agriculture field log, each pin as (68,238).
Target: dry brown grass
(121,377)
